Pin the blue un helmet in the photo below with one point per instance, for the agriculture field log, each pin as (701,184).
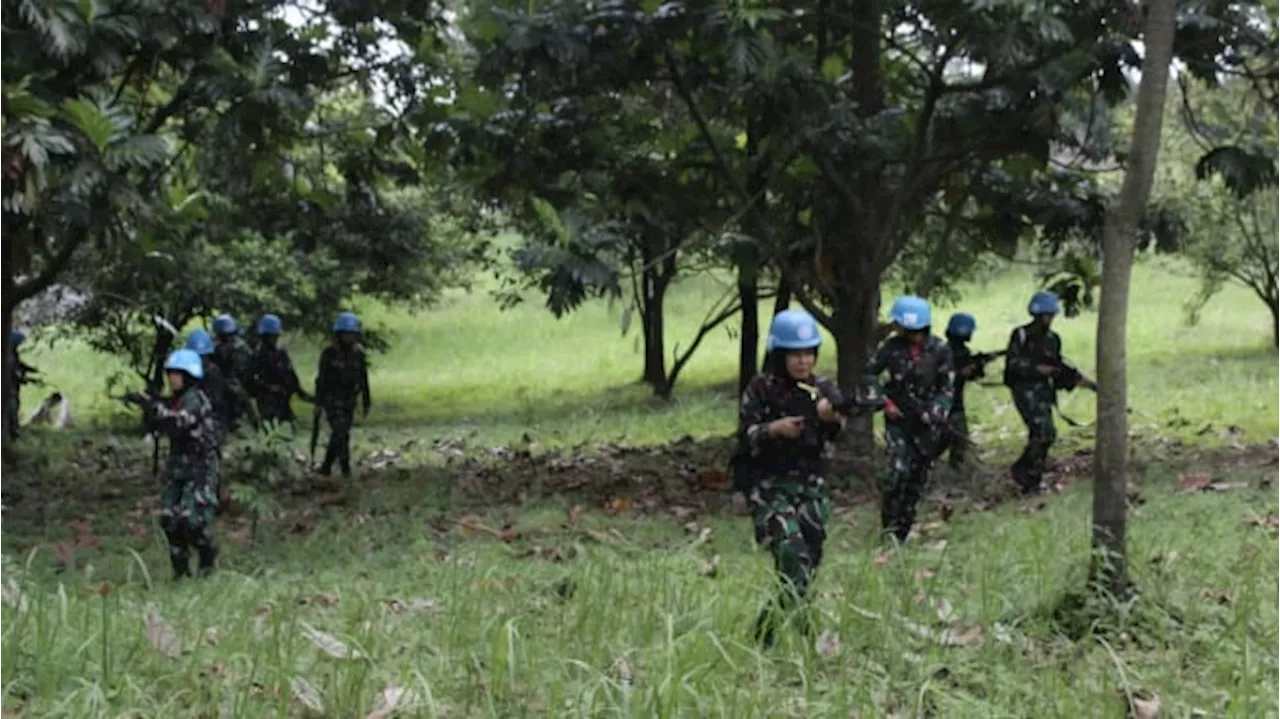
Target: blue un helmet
(793,330)
(270,325)
(346,322)
(200,342)
(16,337)
(1044,302)
(962,325)
(185,360)
(224,324)
(911,313)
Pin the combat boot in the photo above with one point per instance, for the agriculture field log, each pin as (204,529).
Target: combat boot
(208,559)
(181,565)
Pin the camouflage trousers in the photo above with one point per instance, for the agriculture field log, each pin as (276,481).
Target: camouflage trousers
(1035,405)
(957,441)
(904,480)
(187,508)
(274,407)
(790,515)
(790,518)
(341,416)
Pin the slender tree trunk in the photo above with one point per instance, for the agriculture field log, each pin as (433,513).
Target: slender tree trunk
(1119,235)
(8,279)
(781,301)
(653,290)
(1275,323)
(854,325)
(749,297)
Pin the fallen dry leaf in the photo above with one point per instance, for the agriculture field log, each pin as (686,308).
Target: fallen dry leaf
(162,636)
(938,546)
(924,573)
(219,670)
(328,644)
(883,557)
(211,636)
(1142,704)
(928,528)
(1195,482)
(704,536)
(828,644)
(509,534)
(961,635)
(711,568)
(623,669)
(945,611)
(1219,596)
(618,505)
(683,514)
(307,695)
(414,604)
(1270,521)
(575,515)
(946,511)
(390,700)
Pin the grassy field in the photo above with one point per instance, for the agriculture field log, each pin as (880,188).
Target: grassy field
(598,602)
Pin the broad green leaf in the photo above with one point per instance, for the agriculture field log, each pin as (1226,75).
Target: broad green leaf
(90,120)
(88,9)
(740,141)
(832,67)
(551,219)
(476,102)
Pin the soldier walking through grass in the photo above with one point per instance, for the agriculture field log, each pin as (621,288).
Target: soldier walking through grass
(274,381)
(960,329)
(785,420)
(190,498)
(235,359)
(213,384)
(342,381)
(918,400)
(1034,372)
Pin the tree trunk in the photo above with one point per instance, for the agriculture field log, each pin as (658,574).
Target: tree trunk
(748,296)
(854,323)
(653,291)
(1275,323)
(781,302)
(1119,241)
(8,280)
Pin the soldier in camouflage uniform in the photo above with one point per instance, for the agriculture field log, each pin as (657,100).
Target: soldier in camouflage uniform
(274,381)
(1034,371)
(234,357)
(343,380)
(213,384)
(785,421)
(190,499)
(960,330)
(918,398)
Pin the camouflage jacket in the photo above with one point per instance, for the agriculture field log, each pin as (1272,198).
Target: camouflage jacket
(343,377)
(187,419)
(214,386)
(769,397)
(961,357)
(273,373)
(1030,345)
(919,375)
(235,359)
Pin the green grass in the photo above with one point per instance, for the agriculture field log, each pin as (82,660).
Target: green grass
(475,626)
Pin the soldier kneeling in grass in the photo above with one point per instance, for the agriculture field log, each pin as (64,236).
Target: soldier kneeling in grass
(190,499)
(786,418)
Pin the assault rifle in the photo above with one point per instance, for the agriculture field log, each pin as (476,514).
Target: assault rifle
(931,438)
(1066,379)
(980,360)
(742,466)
